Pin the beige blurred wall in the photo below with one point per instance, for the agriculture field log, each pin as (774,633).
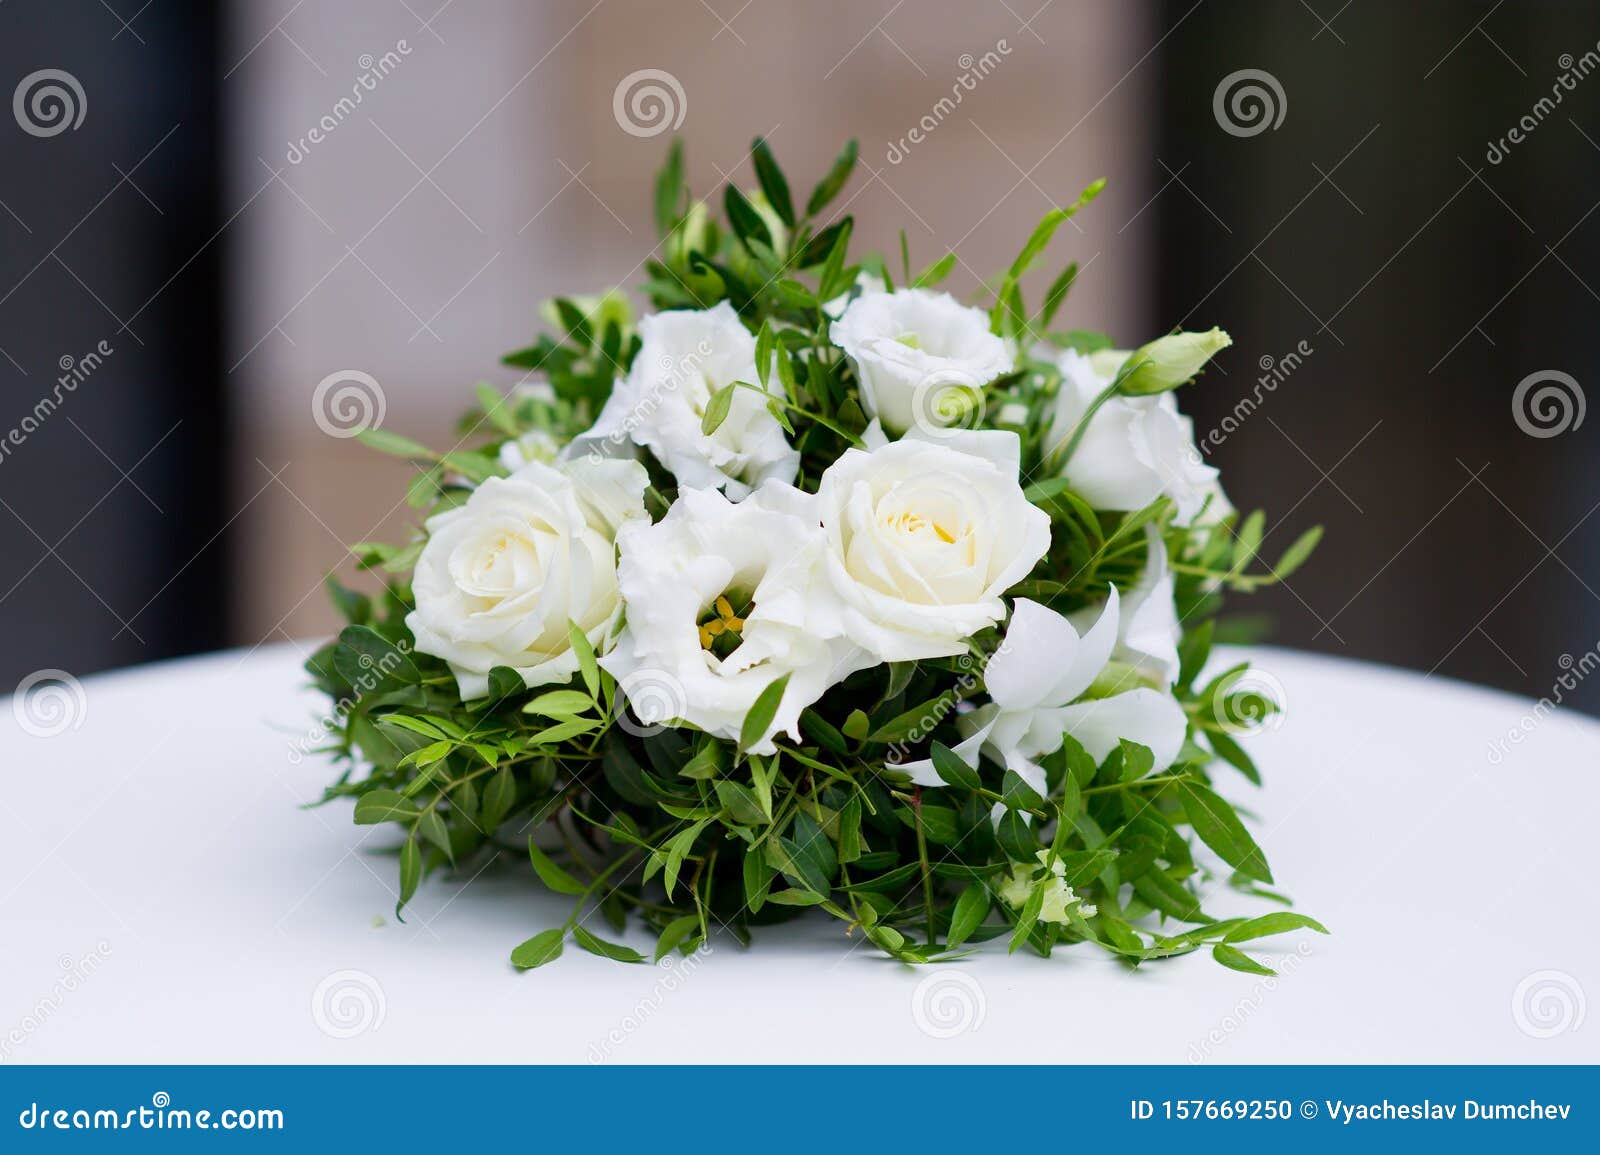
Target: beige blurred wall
(485,170)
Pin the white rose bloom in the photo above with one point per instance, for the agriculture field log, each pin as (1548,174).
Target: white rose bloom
(911,348)
(1034,679)
(1135,449)
(723,599)
(686,355)
(503,574)
(923,538)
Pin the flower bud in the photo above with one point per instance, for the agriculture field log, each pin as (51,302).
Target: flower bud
(1170,361)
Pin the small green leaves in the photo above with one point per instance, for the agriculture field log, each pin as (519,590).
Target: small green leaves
(971,908)
(1235,959)
(552,875)
(764,709)
(1278,922)
(717,409)
(828,187)
(541,948)
(587,666)
(384,806)
(1219,828)
(952,770)
(773,185)
(594,944)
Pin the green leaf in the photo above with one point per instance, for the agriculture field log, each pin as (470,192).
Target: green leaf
(433,829)
(828,187)
(1219,828)
(384,806)
(1194,650)
(765,341)
(856,725)
(498,799)
(740,803)
(560,704)
(541,948)
(385,442)
(747,223)
(1017,838)
(952,770)
(1040,238)
(586,663)
(971,908)
(1056,294)
(794,896)
(758,875)
(1247,541)
(935,272)
(677,850)
(1237,960)
(717,409)
(1277,922)
(1017,794)
(1137,760)
(674,933)
(773,185)
(594,944)
(669,190)
(1294,557)
(850,830)
(410,873)
(762,712)
(552,875)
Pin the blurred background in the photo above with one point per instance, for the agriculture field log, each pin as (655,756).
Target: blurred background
(208,209)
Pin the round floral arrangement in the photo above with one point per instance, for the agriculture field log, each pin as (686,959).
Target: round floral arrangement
(818,588)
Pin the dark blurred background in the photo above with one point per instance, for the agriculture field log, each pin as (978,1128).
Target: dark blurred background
(1391,261)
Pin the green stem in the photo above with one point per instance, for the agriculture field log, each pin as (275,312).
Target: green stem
(927,870)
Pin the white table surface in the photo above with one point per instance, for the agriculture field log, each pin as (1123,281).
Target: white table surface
(159,845)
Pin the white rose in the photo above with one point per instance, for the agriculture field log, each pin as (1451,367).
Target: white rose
(685,356)
(1134,450)
(503,574)
(722,600)
(920,356)
(923,538)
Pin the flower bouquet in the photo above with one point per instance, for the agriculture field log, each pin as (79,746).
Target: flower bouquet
(818,588)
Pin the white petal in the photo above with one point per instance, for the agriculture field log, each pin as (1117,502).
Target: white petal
(1145,716)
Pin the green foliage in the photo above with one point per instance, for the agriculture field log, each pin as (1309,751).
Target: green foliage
(669,829)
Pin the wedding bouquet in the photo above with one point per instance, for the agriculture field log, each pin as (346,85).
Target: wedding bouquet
(818,588)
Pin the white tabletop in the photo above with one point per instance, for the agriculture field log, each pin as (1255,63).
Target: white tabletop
(163,899)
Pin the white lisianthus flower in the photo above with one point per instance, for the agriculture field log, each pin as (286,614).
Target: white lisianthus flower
(723,599)
(503,574)
(1058,896)
(866,283)
(1134,450)
(913,351)
(1148,629)
(1034,681)
(924,536)
(686,356)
